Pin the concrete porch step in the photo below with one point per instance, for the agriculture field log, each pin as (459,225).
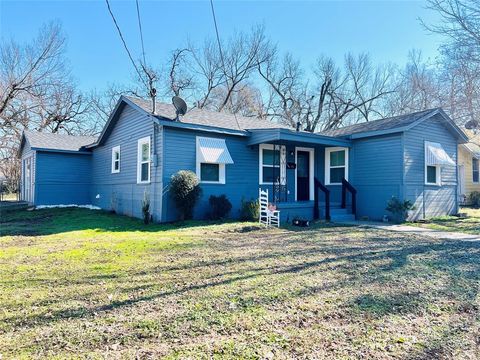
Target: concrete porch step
(339,211)
(342,217)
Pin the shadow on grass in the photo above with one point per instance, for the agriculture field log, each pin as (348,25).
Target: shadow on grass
(335,258)
(55,221)
(382,305)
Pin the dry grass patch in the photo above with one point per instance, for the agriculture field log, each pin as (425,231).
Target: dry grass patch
(469,224)
(91,284)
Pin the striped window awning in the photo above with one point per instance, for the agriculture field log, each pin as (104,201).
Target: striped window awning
(213,151)
(436,155)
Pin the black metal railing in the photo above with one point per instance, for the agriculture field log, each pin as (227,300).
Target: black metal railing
(316,212)
(346,186)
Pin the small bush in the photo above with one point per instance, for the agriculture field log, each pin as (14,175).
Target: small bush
(399,209)
(185,191)
(146,208)
(249,210)
(220,207)
(475,198)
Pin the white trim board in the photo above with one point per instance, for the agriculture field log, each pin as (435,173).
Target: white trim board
(114,150)
(282,150)
(311,169)
(140,142)
(328,150)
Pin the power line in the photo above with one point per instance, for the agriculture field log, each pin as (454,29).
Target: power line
(141,33)
(218,36)
(125,44)
(221,58)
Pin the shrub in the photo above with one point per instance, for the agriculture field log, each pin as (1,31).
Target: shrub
(249,210)
(475,198)
(185,191)
(146,208)
(399,209)
(220,207)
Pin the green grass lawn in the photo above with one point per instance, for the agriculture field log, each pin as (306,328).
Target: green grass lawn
(77,283)
(469,225)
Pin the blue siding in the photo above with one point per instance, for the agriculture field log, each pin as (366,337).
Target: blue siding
(379,167)
(62,178)
(120,191)
(430,200)
(241,177)
(377,174)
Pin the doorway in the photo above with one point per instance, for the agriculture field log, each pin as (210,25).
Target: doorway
(304,174)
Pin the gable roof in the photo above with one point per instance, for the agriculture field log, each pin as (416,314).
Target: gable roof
(206,117)
(382,124)
(57,142)
(394,124)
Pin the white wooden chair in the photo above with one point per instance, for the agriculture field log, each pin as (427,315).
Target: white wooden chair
(267,216)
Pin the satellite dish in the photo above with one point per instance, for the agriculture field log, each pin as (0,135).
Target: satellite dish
(180,105)
(472,124)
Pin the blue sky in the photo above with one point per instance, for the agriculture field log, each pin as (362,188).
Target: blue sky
(387,30)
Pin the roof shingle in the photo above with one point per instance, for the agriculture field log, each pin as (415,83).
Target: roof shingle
(57,141)
(378,125)
(207,117)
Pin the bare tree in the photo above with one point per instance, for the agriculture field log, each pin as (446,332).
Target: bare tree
(217,78)
(29,70)
(460,23)
(335,97)
(207,69)
(242,55)
(180,79)
(36,92)
(286,84)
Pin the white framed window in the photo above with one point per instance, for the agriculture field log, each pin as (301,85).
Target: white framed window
(433,175)
(270,159)
(143,160)
(336,165)
(211,173)
(212,156)
(475,170)
(116,159)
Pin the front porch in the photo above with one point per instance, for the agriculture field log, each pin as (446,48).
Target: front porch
(307,175)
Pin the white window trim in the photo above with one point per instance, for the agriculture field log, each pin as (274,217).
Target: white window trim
(221,169)
(145,140)
(438,170)
(262,147)
(438,175)
(328,150)
(311,162)
(114,150)
(478,170)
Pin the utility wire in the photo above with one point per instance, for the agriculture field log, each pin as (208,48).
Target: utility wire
(141,34)
(125,45)
(218,36)
(221,58)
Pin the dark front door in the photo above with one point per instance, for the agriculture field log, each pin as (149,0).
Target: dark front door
(303,175)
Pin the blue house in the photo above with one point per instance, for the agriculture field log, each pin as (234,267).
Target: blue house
(339,174)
